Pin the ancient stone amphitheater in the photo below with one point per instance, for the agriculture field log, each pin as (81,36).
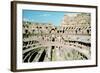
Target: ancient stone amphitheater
(44,42)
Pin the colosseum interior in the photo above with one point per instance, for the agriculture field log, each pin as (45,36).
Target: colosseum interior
(44,42)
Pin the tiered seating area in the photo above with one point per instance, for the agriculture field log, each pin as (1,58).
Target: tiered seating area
(43,42)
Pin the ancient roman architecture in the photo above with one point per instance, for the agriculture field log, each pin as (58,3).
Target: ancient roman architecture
(79,24)
(69,41)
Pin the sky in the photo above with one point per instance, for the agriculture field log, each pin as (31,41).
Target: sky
(45,16)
